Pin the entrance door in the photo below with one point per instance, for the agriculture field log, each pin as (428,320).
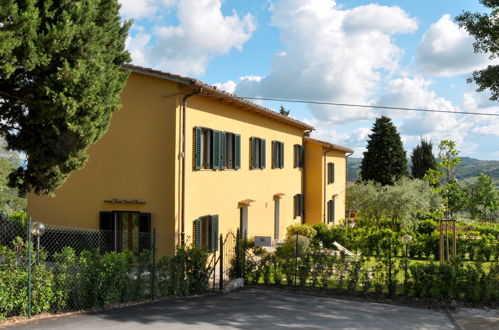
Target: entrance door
(276,218)
(128,231)
(243,223)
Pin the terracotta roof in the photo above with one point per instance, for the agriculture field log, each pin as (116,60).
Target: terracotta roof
(209,90)
(278,195)
(331,146)
(245,202)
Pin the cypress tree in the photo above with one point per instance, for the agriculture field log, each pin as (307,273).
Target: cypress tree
(385,159)
(59,83)
(422,159)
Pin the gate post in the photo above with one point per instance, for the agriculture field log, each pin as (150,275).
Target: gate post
(221,285)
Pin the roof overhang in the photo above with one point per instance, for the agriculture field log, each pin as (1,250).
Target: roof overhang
(330,146)
(214,92)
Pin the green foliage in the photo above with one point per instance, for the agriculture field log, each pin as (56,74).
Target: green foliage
(283,111)
(484,27)
(483,200)
(385,159)
(400,202)
(426,227)
(299,229)
(60,81)
(422,159)
(10,202)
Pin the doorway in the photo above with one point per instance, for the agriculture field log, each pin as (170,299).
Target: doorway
(243,222)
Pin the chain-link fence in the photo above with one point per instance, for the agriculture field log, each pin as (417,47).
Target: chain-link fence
(59,268)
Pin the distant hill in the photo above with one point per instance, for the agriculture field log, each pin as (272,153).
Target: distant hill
(467,171)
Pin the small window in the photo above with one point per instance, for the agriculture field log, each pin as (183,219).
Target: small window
(298,205)
(257,153)
(298,154)
(330,211)
(277,154)
(205,232)
(216,149)
(330,173)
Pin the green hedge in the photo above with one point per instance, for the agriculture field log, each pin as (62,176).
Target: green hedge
(70,281)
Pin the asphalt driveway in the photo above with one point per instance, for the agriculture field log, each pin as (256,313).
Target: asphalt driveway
(252,309)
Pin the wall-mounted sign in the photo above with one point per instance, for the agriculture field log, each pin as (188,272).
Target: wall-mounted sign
(263,241)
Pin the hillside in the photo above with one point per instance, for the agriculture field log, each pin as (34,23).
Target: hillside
(467,171)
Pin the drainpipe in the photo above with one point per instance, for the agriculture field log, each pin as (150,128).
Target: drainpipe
(303,175)
(184,120)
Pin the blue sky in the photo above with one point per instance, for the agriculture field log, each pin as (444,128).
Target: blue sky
(391,53)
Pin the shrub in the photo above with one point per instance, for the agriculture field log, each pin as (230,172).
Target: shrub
(299,229)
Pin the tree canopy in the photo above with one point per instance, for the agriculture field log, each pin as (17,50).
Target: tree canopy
(422,159)
(59,83)
(10,202)
(485,29)
(385,159)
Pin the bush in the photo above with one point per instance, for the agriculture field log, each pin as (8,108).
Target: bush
(426,227)
(299,229)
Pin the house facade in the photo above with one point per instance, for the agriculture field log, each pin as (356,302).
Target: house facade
(192,162)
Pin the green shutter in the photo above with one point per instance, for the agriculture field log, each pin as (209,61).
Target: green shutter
(223,151)
(296,204)
(332,211)
(262,153)
(332,172)
(196,226)
(197,148)
(329,172)
(213,233)
(274,154)
(237,151)
(302,205)
(296,154)
(215,149)
(302,156)
(281,154)
(253,152)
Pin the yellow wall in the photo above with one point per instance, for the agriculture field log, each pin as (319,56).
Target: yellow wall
(338,187)
(314,184)
(211,192)
(134,160)
(317,178)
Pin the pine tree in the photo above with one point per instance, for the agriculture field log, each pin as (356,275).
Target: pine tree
(385,159)
(60,81)
(283,111)
(422,159)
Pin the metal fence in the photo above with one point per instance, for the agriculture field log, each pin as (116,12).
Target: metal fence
(66,268)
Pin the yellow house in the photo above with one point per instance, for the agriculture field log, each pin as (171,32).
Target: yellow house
(193,161)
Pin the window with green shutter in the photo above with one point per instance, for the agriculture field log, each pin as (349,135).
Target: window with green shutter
(330,173)
(205,232)
(277,154)
(257,147)
(330,211)
(298,202)
(298,155)
(216,149)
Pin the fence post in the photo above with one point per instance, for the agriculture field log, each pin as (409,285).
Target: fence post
(153,273)
(221,286)
(30,264)
(237,271)
(296,256)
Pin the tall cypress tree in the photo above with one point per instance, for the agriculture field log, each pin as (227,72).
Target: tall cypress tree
(422,159)
(60,81)
(385,159)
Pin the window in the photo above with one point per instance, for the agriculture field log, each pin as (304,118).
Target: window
(257,153)
(125,231)
(205,232)
(277,154)
(298,151)
(330,173)
(298,205)
(216,149)
(330,211)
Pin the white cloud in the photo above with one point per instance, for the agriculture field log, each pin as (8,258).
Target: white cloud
(447,50)
(228,86)
(138,8)
(203,33)
(331,54)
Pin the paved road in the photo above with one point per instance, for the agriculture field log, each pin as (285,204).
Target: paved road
(253,309)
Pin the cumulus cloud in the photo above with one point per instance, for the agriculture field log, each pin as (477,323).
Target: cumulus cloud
(228,86)
(138,8)
(447,50)
(331,54)
(203,33)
